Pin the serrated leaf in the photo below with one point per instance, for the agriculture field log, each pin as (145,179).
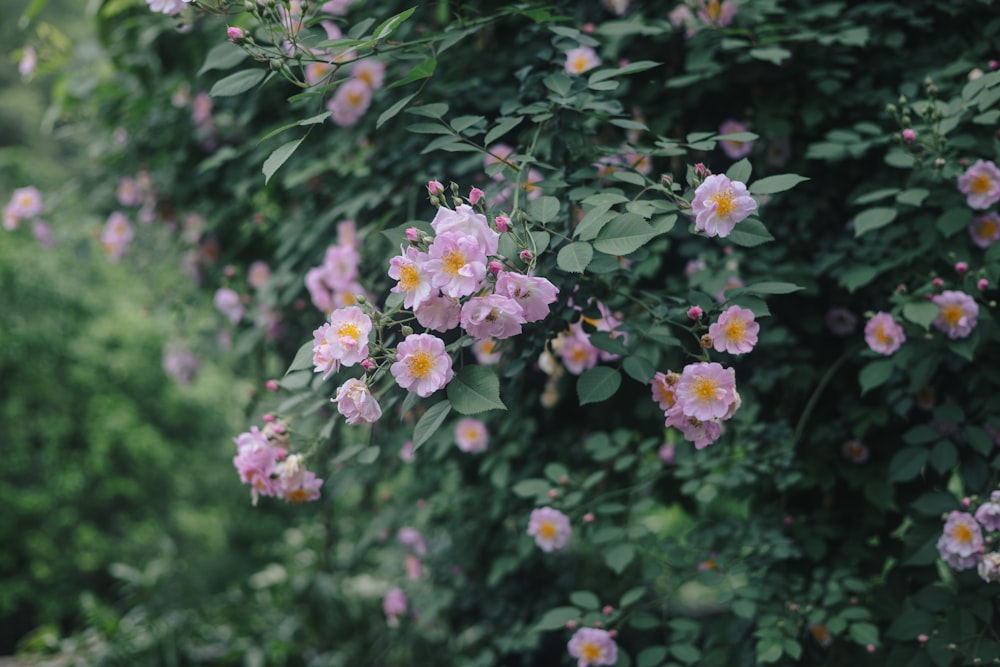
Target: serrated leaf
(597,384)
(429,423)
(278,157)
(574,257)
(750,233)
(393,111)
(544,209)
(624,235)
(475,389)
(873,218)
(774,184)
(619,556)
(239,82)
(875,374)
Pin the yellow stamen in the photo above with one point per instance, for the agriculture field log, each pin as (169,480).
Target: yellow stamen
(705,389)
(952,315)
(736,330)
(349,330)
(409,277)
(453,261)
(547,530)
(962,533)
(354,99)
(881,336)
(590,652)
(724,204)
(420,364)
(980,185)
(298,496)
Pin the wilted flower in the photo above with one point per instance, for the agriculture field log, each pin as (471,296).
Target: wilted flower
(840,321)
(854,451)
(355,401)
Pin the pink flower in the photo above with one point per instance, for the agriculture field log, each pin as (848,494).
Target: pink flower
(988,513)
(295,483)
(492,316)
(347,335)
(394,604)
(255,461)
(695,313)
(29,60)
(909,135)
(11,220)
(236,35)
(475,194)
(840,321)
(485,352)
(350,102)
(961,542)
(411,538)
(682,19)
(503,223)
(734,150)
(883,334)
(435,188)
(534,294)
(989,567)
(735,332)
(370,71)
(168,7)
(663,386)
(617,7)
(471,435)
(413,280)
(116,236)
(985,230)
(227,301)
(581,59)
(854,451)
(258,274)
(719,14)
(593,646)
(980,184)
(706,390)
(700,432)
(550,528)
(957,314)
(457,264)
(336,7)
(719,204)
(422,365)
(576,351)
(439,313)
(26,202)
(465,221)
(355,401)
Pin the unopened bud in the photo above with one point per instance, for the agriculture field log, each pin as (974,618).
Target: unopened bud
(588,518)
(269,418)
(435,187)
(706,341)
(961,267)
(695,313)
(412,234)
(982,284)
(272,385)
(607,609)
(494,267)
(367,364)
(503,223)
(526,256)
(937,282)
(909,136)
(475,194)
(236,35)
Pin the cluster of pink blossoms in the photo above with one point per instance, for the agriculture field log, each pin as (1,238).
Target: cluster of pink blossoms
(263,462)
(961,544)
(116,235)
(26,204)
(697,400)
(334,284)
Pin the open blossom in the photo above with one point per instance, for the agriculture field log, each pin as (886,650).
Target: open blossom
(719,203)
(413,281)
(26,202)
(534,294)
(989,567)
(355,401)
(706,390)
(258,274)
(439,313)
(719,14)
(698,431)
(422,364)
(854,451)
(593,646)
(227,301)
(116,235)
(663,385)
(988,513)
(735,332)
(465,220)
(370,71)
(734,149)
(957,315)
(985,230)
(576,351)
(961,543)
(492,316)
(394,605)
(980,184)
(618,7)
(295,483)
(456,264)
(883,334)
(550,528)
(471,435)
(486,352)
(256,460)
(350,102)
(168,7)
(581,59)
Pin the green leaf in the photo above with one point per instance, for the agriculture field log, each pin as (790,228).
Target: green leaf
(686,653)
(604,341)
(875,374)
(237,83)
(623,235)
(631,596)
(419,71)
(740,171)
(638,368)
(907,464)
(910,623)
(619,556)
(863,633)
(593,222)
(279,157)
(303,358)
(574,257)
(393,111)
(912,197)
(463,123)
(775,184)
(369,455)
(544,209)
(934,503)
(873,218)
(943,457)
(875,195)
(529,488)
(769,651)
(556,619)
(504,126)
(856,277)
(920,312)
(750,233)
(390,25)
(475,389)
(773,54)
(953,221)
(651,657)
(430,422)
(631,68)
(224,55)
(768,287)
(597,384)
(585,599)
(745,608)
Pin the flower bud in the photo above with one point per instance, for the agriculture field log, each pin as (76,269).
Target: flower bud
(695,313)
(494,267)
(435,187)
(982,284)
(909,136)
(272,385)
(503,223)
(475,194)
(961,267)
(526,256)
(406,330)
(937,282)
(367,364)
(412,234)
(706,342)
(588,518)
(236,35)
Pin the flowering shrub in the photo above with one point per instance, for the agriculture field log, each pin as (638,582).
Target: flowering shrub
(640,318)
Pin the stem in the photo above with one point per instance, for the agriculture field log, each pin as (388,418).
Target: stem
(814,398)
